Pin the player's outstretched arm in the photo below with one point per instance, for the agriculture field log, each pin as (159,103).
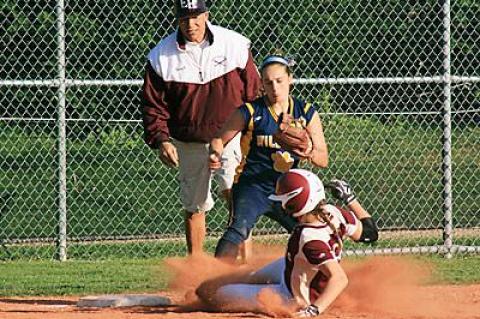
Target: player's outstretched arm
(230,129)
(366,232)
(234,125)
(336,283)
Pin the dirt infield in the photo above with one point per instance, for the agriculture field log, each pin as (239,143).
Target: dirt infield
(379,288)
(465,299)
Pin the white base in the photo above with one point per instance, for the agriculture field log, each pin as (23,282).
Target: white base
(123,301)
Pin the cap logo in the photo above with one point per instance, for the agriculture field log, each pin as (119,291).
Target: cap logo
(189,7)
(189,4)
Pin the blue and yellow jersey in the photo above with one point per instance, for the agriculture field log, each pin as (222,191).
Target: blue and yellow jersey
(264,160)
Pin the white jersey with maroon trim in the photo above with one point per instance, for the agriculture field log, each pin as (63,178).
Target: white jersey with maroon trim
(228,51)
(189,90)
(312,245)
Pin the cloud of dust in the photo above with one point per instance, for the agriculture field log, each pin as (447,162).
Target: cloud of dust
(273,305)
(393,286)
(387,287)
(189,272)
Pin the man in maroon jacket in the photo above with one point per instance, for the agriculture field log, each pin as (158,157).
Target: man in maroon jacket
(194,79)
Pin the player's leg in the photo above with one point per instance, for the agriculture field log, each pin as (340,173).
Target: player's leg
(249,203)
(245,249)
(245,297)
(231,158)
(239,291)
(195,180)
(277,214)
(271,273)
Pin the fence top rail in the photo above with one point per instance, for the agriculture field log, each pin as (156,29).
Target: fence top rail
(316,81)
(37,119)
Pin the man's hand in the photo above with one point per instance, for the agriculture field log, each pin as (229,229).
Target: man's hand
(308,312)
(168,154)
(341,190)
(215,160)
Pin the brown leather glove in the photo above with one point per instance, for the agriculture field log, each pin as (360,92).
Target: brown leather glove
(292,137)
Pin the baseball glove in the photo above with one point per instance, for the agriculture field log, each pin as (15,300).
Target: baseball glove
(292,136)
(341,190)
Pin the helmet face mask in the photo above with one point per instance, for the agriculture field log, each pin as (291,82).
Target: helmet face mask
(300,191)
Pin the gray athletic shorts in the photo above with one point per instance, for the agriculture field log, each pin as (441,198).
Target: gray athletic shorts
(195,177)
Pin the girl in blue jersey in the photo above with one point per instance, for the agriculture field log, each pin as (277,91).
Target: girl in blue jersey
(263,159)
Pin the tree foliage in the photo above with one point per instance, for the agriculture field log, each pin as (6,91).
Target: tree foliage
(108,39)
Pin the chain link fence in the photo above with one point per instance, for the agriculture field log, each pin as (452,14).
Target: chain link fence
(396,83)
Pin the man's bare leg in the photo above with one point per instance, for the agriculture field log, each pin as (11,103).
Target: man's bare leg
(246,248)
(195,231)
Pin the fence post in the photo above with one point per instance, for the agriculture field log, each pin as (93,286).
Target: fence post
(61,123)
(447,133)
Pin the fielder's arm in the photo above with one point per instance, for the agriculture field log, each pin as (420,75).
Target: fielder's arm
(234,125)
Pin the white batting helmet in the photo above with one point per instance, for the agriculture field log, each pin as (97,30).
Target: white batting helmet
(299,190)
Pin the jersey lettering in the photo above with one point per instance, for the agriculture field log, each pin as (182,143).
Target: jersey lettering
(267,141)
(335,244)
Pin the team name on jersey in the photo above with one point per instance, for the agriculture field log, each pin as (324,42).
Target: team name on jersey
(267,141)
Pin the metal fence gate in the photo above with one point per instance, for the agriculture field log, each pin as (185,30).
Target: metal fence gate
(396,83)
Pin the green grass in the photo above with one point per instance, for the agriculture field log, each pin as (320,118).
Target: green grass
(81,277)
(107,250)
(41,278)
(459,270)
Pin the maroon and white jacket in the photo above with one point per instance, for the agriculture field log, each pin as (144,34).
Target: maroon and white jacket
(190,101)
(311,245)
